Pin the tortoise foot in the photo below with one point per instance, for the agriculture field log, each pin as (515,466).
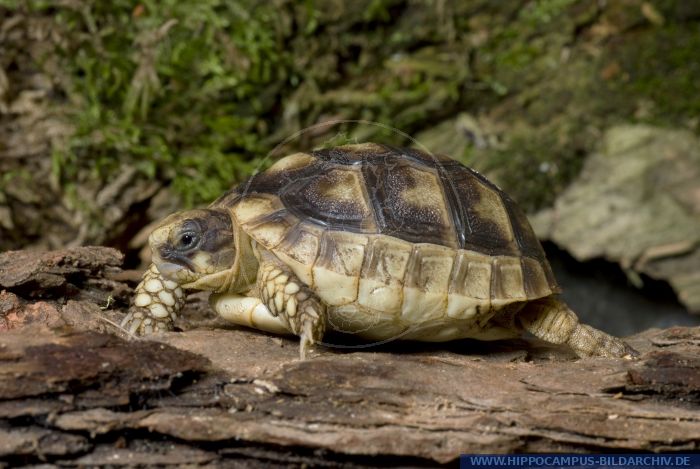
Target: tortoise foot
(139,322)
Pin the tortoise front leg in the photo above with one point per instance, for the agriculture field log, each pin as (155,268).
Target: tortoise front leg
(286,296)
(553,321)
(157,301)
(247,311)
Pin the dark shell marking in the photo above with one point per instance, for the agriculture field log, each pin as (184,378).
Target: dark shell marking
(402,193)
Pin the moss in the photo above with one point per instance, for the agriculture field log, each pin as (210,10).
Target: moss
(660,67)
(542,99)
(197,92)
(518,52)
(532,168)
(174,88)
(562,71)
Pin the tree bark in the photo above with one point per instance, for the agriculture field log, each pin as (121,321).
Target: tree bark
(73,393)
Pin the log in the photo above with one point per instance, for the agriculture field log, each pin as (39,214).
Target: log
(75,390)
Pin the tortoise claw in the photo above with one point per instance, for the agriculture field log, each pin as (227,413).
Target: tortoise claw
(138,322)
(306,338)
(621,349)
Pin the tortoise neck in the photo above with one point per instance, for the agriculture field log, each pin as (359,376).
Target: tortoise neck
(243,273)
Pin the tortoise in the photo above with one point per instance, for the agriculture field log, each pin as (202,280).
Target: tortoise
(369,239)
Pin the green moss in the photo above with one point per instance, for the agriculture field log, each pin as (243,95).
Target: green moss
(542,12)
(661,67)
(196,93)
(555,106)
(540,98)
(532,168)
(176,89)
(517,52)
(7,178)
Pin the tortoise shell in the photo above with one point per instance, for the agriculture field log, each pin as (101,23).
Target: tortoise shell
(369,214)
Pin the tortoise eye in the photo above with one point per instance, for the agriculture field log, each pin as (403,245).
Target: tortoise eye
(187,240)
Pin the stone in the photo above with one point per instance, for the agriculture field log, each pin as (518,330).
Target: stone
(637,203)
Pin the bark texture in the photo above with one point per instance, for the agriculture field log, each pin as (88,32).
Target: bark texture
(73,393)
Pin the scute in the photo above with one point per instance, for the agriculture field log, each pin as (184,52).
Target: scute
(427,283)
(335,198)
(471,275)
(383,272)
(337,269)
(299,250)
(290,163)
(409,202)
(507,279)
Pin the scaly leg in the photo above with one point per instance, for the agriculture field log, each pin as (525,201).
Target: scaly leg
(247,311)
(286,296)
(553,321)
(157,301)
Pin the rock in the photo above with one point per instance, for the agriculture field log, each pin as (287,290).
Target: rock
(637,203)
(454,136)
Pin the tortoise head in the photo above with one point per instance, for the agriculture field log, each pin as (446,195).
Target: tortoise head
(195,248)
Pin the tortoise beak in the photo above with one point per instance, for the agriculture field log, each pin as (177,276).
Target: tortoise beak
(169,270)
(175,272)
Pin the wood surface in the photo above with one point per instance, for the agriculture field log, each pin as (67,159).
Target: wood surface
(75,391)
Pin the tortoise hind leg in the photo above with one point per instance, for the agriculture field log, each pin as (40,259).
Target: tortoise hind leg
(553,321)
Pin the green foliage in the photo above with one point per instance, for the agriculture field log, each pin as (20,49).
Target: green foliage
(544,11)
(196,93)
(177,89)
